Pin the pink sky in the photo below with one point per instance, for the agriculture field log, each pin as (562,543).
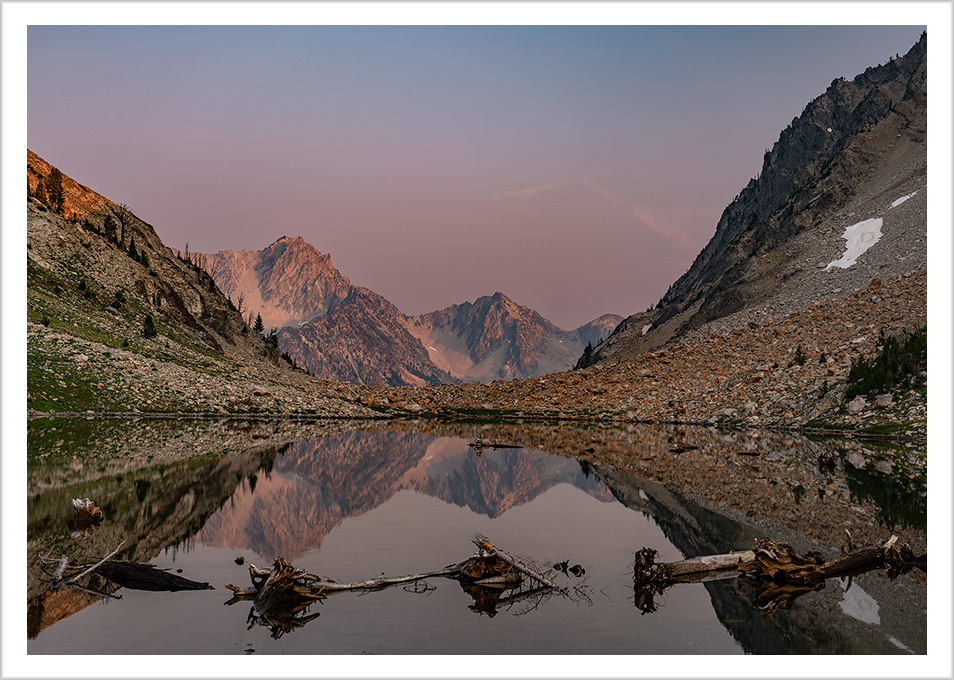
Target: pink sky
(579,170)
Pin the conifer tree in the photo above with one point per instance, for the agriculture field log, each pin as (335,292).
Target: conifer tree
(259,326)
(56,195)
(40,192)
(109,227)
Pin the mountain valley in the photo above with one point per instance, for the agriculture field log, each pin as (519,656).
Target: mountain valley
(816,262)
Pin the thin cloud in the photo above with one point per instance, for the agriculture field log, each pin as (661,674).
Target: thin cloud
(525,192)
(676,237)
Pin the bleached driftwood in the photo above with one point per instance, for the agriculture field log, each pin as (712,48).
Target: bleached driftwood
(782,574)
(776,561)
(297,583)
(518,564)
(93,568)
(284,582)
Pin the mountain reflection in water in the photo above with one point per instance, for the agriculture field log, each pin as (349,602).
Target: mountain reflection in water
(314,485)
(356,505)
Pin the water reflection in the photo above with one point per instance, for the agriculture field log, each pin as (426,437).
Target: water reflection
(408,497)
(314,485)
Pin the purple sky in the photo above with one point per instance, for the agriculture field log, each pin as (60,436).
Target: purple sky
(579,170)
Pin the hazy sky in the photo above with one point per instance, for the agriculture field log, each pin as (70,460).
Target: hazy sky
(579,170)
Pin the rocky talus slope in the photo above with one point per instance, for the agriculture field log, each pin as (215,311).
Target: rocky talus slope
(745,376)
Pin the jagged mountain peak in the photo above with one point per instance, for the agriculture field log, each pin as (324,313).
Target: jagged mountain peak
(338,330)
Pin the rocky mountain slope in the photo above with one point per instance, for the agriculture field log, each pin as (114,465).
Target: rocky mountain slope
(339,331)
(117,322)
(494,338)
(856,153)
(288,282)
(362,339)
(748,376)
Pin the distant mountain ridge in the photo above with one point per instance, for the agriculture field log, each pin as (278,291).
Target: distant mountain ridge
(340,331)
(495,338)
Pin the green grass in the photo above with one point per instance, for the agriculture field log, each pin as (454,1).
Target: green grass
(55,383)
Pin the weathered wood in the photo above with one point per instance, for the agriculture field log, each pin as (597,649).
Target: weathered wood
(516,563)
(778,573)
(284,589)
(708,564)
(299,583)
(776,561)
(382,582)
(285,584)
(81,575)
(60,570)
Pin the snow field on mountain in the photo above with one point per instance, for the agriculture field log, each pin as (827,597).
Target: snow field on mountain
(861,236)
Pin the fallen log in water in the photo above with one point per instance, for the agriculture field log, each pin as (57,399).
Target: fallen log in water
(284,583)
(521,566)
(294,583)
(136,576)
(133,575)
(770,562)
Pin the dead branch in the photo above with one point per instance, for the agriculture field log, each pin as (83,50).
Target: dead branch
(484,544)
(297,583)
(282,594)
(93,568)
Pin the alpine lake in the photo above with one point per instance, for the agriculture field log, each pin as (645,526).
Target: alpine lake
(204,499)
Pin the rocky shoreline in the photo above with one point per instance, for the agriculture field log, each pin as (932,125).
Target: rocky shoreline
(747,376)
(744,377)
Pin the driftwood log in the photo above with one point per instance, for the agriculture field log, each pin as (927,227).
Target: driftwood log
(136,576)
(297,584)
(515,562)
(782,573)
(281,595)
(132,575)
(479,445)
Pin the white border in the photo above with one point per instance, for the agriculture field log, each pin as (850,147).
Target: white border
(17,16)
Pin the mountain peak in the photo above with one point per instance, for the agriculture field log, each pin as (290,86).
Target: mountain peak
(290,239)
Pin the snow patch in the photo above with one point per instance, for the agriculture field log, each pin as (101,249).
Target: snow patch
(646,328)
(858,604)
(902,200)
(900,645)
(859,238)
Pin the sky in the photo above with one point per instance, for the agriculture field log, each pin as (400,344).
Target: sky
(577,169)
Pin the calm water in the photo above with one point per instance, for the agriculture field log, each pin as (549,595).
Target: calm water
(356,505)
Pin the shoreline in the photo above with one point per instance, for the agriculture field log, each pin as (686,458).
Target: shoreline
(503,419)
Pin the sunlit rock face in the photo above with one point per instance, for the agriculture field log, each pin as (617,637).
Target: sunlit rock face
(495,338)
(340,331)
(288,282)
